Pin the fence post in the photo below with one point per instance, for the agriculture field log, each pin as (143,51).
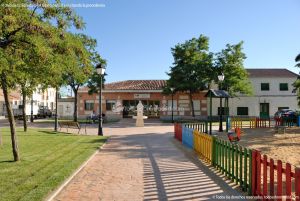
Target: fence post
(253,172)
(213,153)
(279,179)
(297,183)
(288,181)
(228,123)
(250,172)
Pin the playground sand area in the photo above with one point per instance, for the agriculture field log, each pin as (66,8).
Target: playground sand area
(284,147)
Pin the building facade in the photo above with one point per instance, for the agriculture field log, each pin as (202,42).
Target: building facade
(272,90)
(40,98)
(65,107)
(14,99)
(120,99)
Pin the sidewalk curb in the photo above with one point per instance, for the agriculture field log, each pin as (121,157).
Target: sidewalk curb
(67,181)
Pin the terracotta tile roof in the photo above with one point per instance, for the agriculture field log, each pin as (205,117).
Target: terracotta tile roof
(13,95)
(159,84)
(136,85)
(270,72)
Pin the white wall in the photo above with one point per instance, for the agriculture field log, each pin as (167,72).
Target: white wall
(274,97)
(65,109)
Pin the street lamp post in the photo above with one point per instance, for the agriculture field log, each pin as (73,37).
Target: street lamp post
(172,90)
(221,79)
(100,70)
(31,112)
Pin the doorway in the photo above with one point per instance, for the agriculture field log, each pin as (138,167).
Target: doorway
(264,110)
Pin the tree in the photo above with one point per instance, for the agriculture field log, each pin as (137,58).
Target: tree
(296,84)
(192,67)
(79,63)
(22,28)
(230,62)
(95,80)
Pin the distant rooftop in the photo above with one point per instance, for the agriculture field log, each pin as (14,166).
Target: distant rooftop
(270,72)
(136,85)
(159,84)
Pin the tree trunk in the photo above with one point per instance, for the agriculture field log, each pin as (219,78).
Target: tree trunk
(24,110)
(75,116)
(192,104)
(11,119)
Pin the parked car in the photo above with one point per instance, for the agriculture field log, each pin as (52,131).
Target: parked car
(285,113)
(18,112)
(44,112)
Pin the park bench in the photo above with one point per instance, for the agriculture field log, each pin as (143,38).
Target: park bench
(69,124)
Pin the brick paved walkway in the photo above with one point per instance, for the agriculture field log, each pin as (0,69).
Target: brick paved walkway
(144,164)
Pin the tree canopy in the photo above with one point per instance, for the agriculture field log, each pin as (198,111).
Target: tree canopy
(33,47)
(195,68)
(296,84)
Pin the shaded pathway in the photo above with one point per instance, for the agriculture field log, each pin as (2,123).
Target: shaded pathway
(144,164)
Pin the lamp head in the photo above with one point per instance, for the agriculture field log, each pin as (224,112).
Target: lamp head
(100,68)
(221,77)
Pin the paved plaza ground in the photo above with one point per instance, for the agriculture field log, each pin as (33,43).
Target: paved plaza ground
(143,164)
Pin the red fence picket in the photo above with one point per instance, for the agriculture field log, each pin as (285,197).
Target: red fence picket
(178,131)
(278,121)
(264,183)
(263,122)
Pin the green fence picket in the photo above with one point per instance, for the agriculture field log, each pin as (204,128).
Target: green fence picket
(232,162)
(245,169)
(250,173)
(241,166)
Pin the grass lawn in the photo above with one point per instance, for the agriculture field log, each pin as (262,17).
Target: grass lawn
(47,159)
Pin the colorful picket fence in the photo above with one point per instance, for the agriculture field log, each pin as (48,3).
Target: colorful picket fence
(263,122)
(239,122)
(254,173)
(178,131)
(203,145)
(284,121)
(247,122)
(272,179)
(200,126)
(187,136)
(234,162)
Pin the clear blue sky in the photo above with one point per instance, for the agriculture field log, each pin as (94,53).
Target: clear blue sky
(135,36)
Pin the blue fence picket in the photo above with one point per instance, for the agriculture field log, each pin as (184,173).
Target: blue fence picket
(187,137)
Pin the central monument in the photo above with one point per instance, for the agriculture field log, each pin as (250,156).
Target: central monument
(140,117)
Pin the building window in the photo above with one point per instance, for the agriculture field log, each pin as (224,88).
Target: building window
(242,111)
(225,110)
(89,105)
(283,108)
(283,87)
(110,104)
(265,86)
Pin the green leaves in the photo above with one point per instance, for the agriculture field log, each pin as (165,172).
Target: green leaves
(192,65)
(195,67)
(296,84)
(230,62)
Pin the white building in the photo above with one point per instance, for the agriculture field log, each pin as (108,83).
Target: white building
(272,90)
(14,98)
(39,97)
(65,107)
